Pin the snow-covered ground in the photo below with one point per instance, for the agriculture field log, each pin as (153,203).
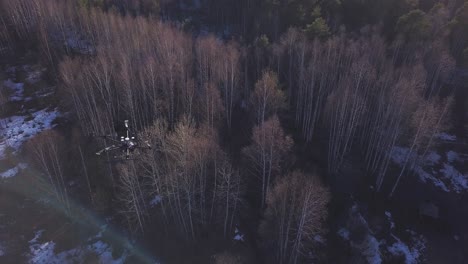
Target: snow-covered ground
(442,169)
(16,89)
(13,171)
(447,137)
(412,253)
(238,236)
(42,252)
(368,246)
(382,247)
(34,74)
(156,200)
(15,130)
(26,123)
(75,42)
(390,220)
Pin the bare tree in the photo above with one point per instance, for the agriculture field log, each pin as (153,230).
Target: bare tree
(295,214)
(345,111)
(267,153)
(23,15)
(5,38)
(389,108)
(267,98)
(48,153)
(425,123)
(229,80)
(130,197)
(228,194)
(182,169)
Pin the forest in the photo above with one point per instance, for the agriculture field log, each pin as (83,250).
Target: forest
(281,131)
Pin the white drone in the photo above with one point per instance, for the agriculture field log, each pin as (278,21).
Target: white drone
(127,143)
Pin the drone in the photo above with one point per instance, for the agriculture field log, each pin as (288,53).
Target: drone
(126,143)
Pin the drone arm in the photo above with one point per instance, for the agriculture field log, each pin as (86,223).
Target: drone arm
(147,144)
(106,149)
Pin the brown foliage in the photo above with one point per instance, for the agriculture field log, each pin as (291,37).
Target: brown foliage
(131,197)
(197,183)
(268,152)
(296,212)
(267,98)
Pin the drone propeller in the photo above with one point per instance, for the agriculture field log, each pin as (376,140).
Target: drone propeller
(148,146)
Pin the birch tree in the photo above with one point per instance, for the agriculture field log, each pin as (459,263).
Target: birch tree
(267,153)
(296,212)
(425,123)
(229,80)
(228,195)
(267,98)
(48,153)
(131,197)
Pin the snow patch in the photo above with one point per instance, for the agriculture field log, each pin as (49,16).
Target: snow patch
(370,249)
(13,171)
(365,243)
(458,180)
(102,229)
(433,157)
(45,253)
(344,233)
(389,218)
(399,155)
(37,235)
(42,253)
(376,248)
(319,239)
(411,254)
(452,156)
(15,130)
(156,200)
(447,137)
(9,173)
(238,235)
(17,89)
(33,73)
(430,177)
(447,179)
(104,251)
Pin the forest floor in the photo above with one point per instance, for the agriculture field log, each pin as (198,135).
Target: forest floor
(374,229)
(34,229)
(443,182)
